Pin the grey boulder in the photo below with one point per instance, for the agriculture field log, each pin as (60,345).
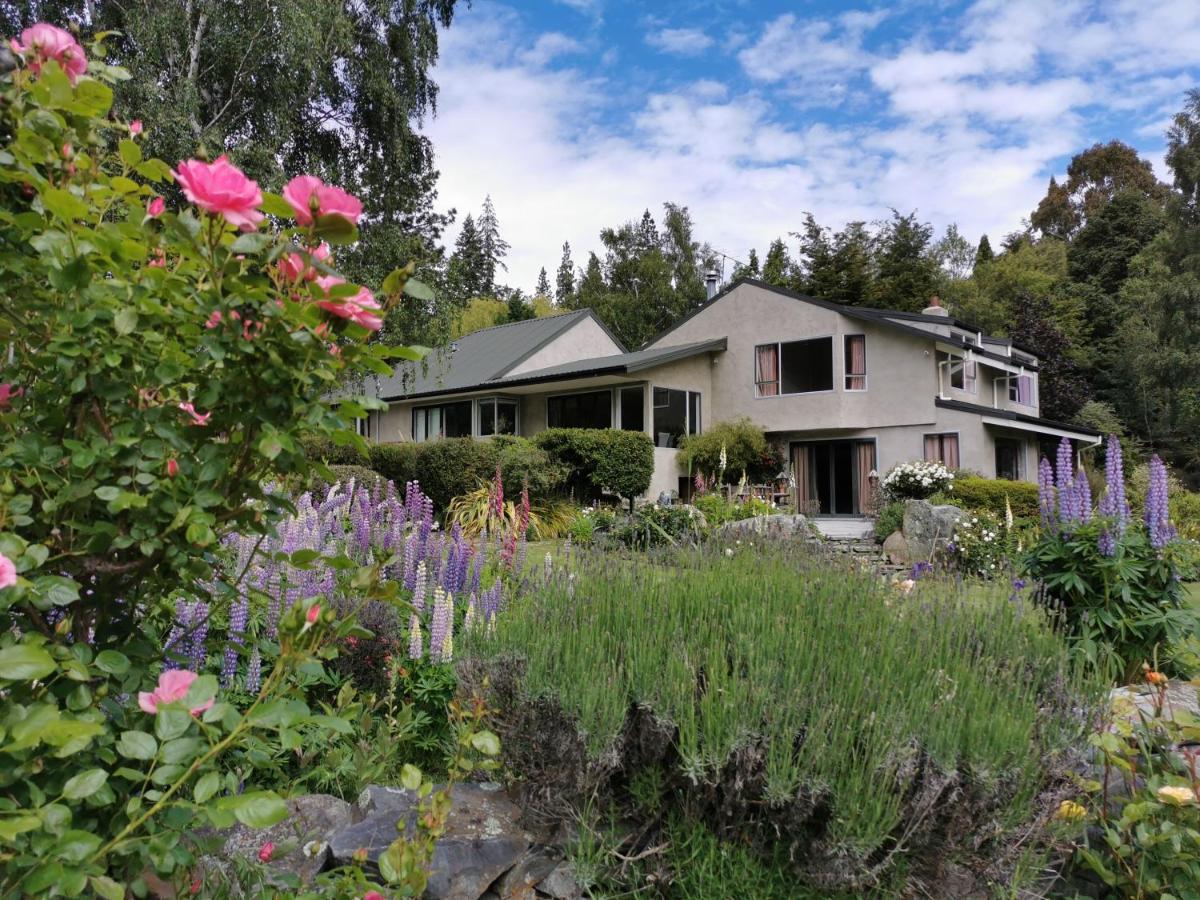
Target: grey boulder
(928,528)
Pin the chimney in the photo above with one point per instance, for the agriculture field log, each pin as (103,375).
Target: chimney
(935,307)
(711,279)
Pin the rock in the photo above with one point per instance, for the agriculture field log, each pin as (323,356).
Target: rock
(314,818)
(896,549)
(483,839)
(928,528)
(788,525)
(531,869)
(561,884)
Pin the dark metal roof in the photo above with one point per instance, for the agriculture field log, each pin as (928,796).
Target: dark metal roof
(479,357)
(1015,416)
(616,364)
(886,317)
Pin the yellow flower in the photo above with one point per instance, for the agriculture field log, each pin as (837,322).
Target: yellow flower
(1176,794)
(1070,811)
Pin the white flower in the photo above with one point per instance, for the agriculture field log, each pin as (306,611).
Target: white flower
(313,848)
(729,550)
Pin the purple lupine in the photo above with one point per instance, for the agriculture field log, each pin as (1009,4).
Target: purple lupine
(1065,484)
(1064,465)
(1158,516)
(254,672)
(416,646)
(173,648)
(441,626)
(239,615)
(1083,496)
(1113,506)
(410,562)
(197,649)
(1046,497)
(419,582)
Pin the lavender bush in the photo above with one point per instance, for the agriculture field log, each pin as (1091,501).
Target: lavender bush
(1111,581)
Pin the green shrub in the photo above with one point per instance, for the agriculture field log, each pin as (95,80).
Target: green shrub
(395,462)
(660,526)
(323,449)
(781,697)
(889,520)
(583,530)
(976,494)
(524,463)
(450,467)
(599,459)
(983,546)
(746,450)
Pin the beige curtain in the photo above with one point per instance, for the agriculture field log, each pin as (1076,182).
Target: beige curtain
(856,362)
(933,448)
(766,370)
(950,450)
(801,454)
(865,459)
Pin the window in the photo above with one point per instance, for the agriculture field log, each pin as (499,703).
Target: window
(1020,390)
(447,420)
(633,408)
(497,416)
(942,448)
(670,416)
(855,361)
(1008,458)
(795,367)
(960,373)
(590,410)
(693,412)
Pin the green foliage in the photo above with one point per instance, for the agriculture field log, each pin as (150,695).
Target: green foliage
(992,494)
(717,510)
(601,459)
(983,545)
(524,463)
(889,520)
(653,526)
(745,447)
(1117,611)
(450,467)
(395,462)
(840,689)
(1145,839)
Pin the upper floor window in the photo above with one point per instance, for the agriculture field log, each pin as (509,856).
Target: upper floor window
(444,420)
(590,410)
(855,361)
(793,367)
(1020,390)
(497,416)
(957,372)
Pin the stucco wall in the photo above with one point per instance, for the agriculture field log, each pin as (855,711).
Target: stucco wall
(583,340)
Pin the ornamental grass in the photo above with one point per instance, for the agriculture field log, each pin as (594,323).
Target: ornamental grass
(875,726)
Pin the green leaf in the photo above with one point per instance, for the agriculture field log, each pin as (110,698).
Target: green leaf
(170,722)
(251,242)
(394,282)
(107,493)
(410,777)
(137,745)
(64,204)
(76,846)
(112,662)
(10,828)
(131,153)
(25,663)
(107,888)
(418,290)
(84,784)
(486,742)
(275,205)
(126,320)
(256,809)
(269,446)
(57,590)
(208,785)
(336,229)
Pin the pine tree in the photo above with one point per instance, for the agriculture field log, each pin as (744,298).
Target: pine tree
(777,267)
(494,247)
(564,280)
(543,284)
(592,288)
(749,269)
(468,272)
(984,253)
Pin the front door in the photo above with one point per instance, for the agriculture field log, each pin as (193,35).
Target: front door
(833,477)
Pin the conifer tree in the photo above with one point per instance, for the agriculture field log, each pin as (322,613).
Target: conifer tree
(777,267)
(564,280)
(494,247)
(543,284)
(984,253)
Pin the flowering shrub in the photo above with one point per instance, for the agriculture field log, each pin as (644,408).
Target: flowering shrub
(1110,579)
(983,545)
(657,526)
(916,480)
(161,368)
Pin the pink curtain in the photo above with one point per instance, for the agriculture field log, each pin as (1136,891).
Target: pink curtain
(766,370)
(950,450)
(933,448)
(865,458)
(1025,390)
(856,362)
(800,469)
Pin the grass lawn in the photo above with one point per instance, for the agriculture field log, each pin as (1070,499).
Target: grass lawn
(1192,592)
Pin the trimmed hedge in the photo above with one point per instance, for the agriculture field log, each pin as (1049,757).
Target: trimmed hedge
(597,459)
(973,492)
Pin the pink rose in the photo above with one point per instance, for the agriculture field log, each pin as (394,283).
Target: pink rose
(373,895)
(362,308)
(172,686)
(214,319)
(135,127)
(8,393)
(197,418)
(159,259)
(172,467)
(223,189)
(266,851)
(308,194)
(8,572)
(48,42)
(314,613)
(294,266)
(156,207)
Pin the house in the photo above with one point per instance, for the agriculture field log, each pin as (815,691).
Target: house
(849,390)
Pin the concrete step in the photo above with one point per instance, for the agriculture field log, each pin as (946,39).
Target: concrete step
(840,529)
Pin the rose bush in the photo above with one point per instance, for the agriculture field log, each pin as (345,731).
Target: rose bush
(160,370)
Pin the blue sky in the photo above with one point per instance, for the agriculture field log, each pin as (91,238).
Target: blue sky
(578,114)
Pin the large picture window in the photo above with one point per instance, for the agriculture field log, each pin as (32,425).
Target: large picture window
(447,420)
(633,408)
(855,361)
(590,410)
(497,416)
(793,367)
(676,413)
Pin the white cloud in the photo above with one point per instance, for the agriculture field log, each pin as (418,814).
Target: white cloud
(965,130)
(680,41)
